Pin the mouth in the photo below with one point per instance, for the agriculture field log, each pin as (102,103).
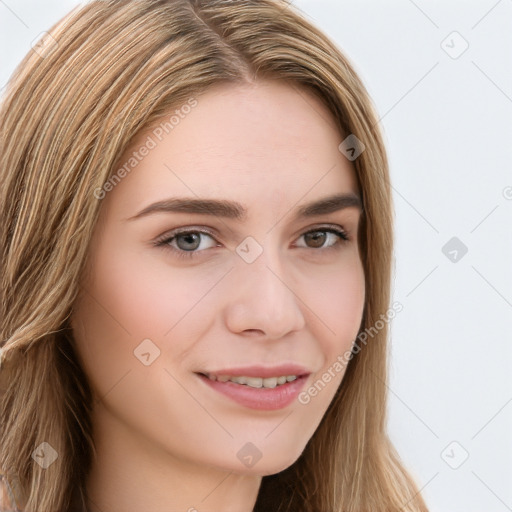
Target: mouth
(266,390)
(254,382)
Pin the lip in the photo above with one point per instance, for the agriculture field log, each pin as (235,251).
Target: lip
(261,371)
(261,399)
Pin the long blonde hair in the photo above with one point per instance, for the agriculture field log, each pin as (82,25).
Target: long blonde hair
(107,71)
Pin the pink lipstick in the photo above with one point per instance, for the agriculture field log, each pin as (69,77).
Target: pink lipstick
(259,387)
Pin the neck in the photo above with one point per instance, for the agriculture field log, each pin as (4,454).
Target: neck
(129,474)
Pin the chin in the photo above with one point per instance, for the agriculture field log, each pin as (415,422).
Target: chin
(270,466)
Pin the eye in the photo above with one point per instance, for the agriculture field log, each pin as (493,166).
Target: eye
(189,243)
(334,237)
(185,243)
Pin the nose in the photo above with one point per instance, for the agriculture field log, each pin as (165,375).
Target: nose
(263,299)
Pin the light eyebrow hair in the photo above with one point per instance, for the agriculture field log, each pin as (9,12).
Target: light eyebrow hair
(236,211)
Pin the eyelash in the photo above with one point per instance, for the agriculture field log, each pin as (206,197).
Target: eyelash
(168,238)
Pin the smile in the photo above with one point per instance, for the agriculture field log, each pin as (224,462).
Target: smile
(263,394)
(254,382)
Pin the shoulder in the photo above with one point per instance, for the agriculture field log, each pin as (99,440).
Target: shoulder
(9,498)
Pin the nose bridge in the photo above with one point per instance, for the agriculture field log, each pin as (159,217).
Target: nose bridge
(265,299)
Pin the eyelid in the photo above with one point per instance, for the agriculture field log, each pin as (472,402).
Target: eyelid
(213,233)
(183,231)
(326,227)
(163,241)
(191,256)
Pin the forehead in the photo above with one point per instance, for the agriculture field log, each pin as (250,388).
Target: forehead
(269,142)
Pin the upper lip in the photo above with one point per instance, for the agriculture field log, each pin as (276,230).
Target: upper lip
(261,371)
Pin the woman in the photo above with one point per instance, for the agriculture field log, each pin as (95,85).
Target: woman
(196,236)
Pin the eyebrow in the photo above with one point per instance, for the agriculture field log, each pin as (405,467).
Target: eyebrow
(236,211)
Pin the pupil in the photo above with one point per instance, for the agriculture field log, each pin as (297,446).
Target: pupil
(318,238)
(190,238)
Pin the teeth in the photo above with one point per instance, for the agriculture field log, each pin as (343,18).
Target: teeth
(270,382)
(255,382)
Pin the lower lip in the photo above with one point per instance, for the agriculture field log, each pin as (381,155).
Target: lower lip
(262,399)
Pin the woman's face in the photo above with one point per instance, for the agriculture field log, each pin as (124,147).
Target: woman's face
(264,288)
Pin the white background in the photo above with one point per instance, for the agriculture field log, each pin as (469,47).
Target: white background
(447,123)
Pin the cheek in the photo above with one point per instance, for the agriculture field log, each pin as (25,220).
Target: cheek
(142,294)
(130,298)
(336,297)
(338,301)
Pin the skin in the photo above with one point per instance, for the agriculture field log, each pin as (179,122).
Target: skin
(165,440)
